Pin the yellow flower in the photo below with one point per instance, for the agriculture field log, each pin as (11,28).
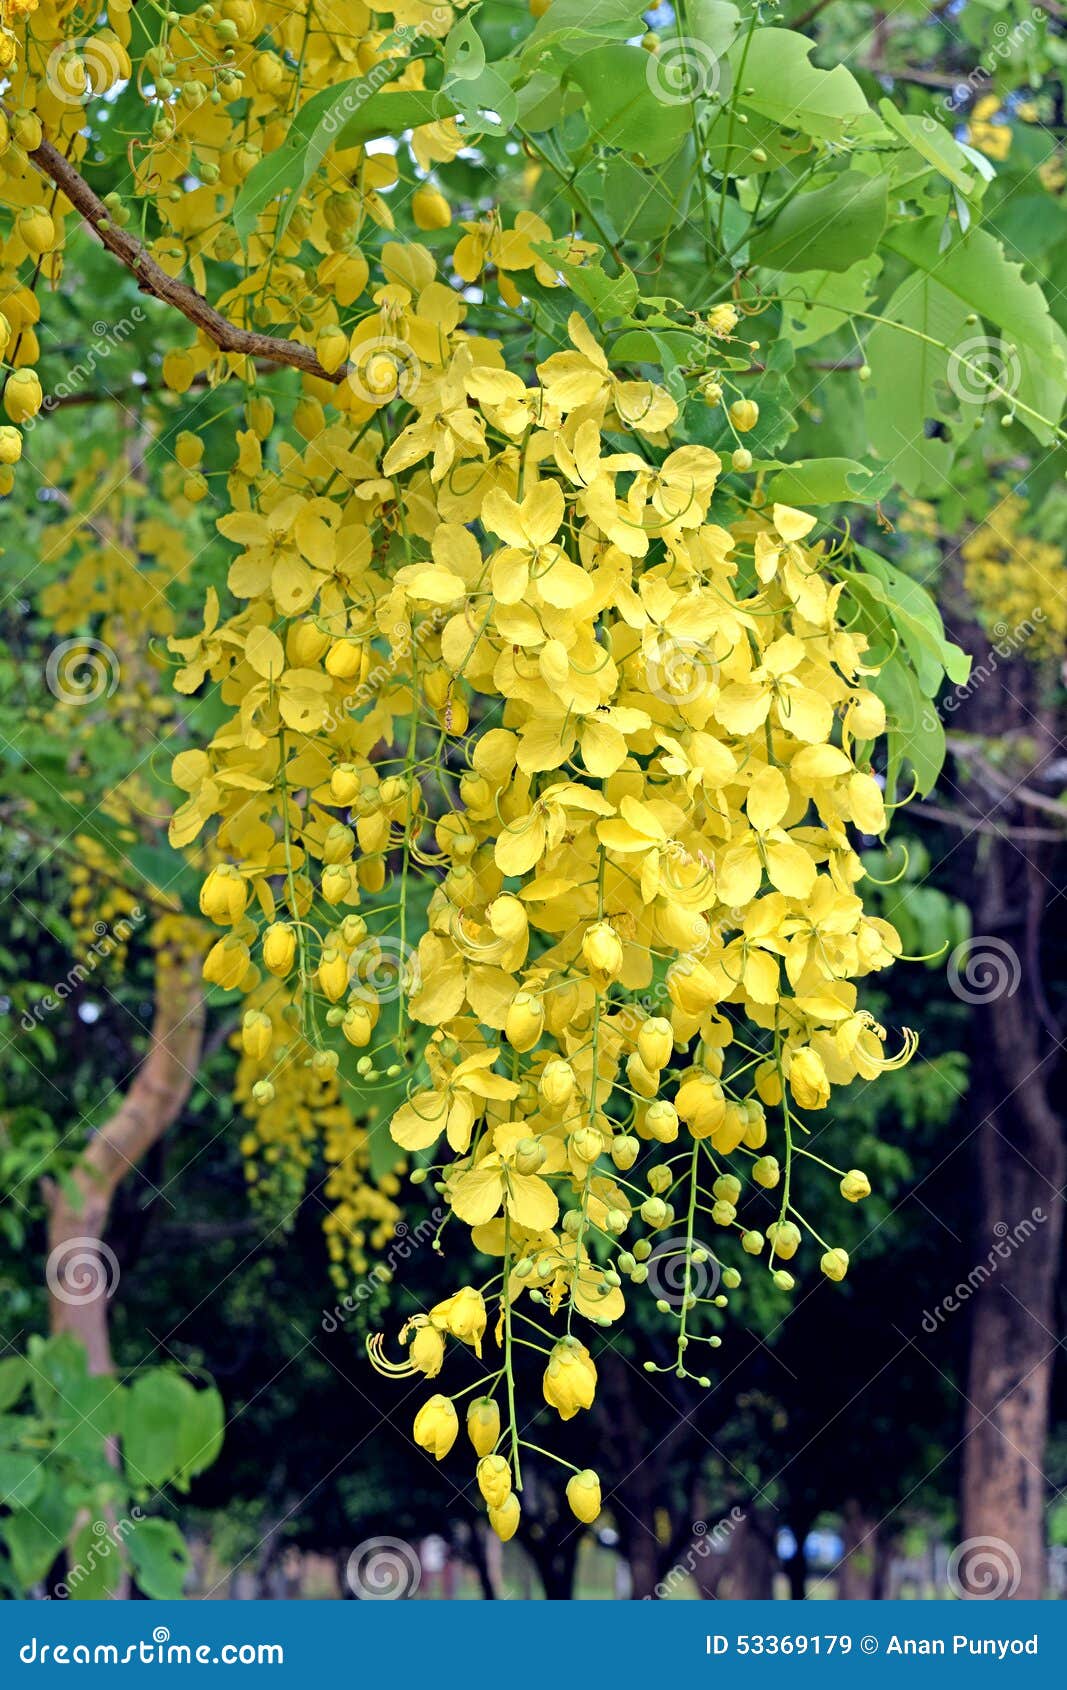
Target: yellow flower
(855,1186)
(463,1315)
(505,1519)
(483,1424)
(583,1495)
(834,1264)
(807,1079)
(436,1426)
(570,1378)
(494,1479)
(427,1351)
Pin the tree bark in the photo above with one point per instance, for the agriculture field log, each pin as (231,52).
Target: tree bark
(82,1272)
(1020,1142)
(858,1568)
(1022,1169)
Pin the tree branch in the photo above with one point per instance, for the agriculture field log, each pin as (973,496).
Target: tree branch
(152,279)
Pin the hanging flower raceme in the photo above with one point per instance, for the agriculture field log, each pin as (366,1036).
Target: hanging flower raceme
(622,712)
(542,750)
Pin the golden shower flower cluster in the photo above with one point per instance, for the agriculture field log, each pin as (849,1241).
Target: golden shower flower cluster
(544,745)
(1016,582)
(497,660)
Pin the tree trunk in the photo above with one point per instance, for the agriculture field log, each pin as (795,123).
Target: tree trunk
(857,1571)
(1020,1139)
(796,1567)
(1021,1173)
(82,1271)
(752,1559)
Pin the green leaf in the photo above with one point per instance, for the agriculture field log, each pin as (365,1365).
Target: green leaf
(160,1559)
(464,55)
(344,116)
(915,733)
(607,296)
(95,1563)
(166,870)
(816,303)
(14,1375)
(200,1432)
(918,621)
(35,1538)
(152,1436)
(932,141)
(831,227)
(21,1477)
(825,481)
(980,278)
(645,204)
(909,372)
(782,84)
(623,109)
(566,20)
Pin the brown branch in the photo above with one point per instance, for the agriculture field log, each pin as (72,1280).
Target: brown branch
(999,786)
(979,824)
(152,279)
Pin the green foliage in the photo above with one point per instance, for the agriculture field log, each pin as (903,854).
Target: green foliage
(62,1485)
